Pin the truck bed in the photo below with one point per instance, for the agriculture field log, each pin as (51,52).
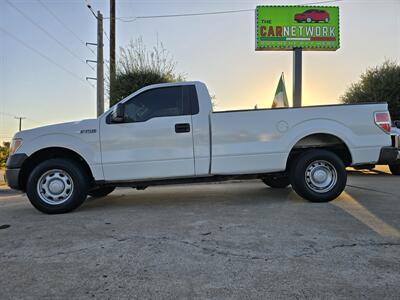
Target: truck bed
(261,140)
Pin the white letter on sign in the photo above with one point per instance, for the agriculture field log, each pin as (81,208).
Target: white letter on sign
(332,31)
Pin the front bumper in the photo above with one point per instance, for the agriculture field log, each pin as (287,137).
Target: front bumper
(13,170)
(12,178)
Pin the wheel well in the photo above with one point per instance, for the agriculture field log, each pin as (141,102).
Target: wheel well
(321,141)
(47,153)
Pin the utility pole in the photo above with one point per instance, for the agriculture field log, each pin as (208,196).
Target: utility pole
(20,121)
(100,65)
(112,45)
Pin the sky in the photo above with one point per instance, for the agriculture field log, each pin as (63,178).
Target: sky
(216,49)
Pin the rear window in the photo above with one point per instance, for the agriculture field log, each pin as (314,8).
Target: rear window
(190,94)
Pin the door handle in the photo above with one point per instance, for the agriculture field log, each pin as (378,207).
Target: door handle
(182,127)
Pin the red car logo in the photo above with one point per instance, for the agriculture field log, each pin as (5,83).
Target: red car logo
(312,15)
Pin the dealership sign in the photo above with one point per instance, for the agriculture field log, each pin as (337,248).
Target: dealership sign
(289,27)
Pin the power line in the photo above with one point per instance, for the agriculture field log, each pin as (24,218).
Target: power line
(65,25)
(43,56)
(6,114)
(13,116)
(321,2)
(132,19)
(106,35)
(48,34)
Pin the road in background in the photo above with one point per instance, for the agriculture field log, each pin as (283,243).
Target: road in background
(223,241)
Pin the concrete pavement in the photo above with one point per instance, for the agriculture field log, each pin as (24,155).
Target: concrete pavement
(223,241)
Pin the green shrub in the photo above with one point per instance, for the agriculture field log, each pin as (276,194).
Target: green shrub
(378,84)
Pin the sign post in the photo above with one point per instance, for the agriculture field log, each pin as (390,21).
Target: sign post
(297,29)
(297,72)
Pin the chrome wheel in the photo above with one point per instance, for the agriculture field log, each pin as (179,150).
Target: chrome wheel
(55,187)
(321,176)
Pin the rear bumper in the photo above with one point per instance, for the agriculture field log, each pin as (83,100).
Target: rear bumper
(389,156)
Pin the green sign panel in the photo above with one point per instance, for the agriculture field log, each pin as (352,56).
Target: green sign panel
(306,27)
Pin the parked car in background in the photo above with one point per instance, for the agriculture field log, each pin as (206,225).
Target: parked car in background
(395,132)
(396,127)
(312,16)
(169,134)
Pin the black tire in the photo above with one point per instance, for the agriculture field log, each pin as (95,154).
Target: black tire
(395,169)
(101,192)
(303,182)
(76,176)
(276,181)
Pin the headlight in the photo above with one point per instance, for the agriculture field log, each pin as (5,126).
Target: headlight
(15,144)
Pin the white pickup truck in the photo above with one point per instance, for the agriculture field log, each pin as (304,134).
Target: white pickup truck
(168,134)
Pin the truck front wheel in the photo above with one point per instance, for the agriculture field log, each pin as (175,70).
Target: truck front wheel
(318,175)
(57,186)
(395,169)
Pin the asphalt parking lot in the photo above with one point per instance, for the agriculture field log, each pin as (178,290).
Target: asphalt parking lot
(236,240)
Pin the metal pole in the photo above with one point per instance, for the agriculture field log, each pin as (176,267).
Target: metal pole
(20,122)
(297,66)
(112,45)
(100,66)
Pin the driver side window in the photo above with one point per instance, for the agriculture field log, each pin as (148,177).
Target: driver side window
(161,102)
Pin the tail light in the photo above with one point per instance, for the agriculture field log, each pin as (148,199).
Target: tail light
(382,120)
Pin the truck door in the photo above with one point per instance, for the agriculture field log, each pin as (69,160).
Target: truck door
(155,139)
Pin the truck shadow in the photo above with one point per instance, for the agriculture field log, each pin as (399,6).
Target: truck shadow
(204,195)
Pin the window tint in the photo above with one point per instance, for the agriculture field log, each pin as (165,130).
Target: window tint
(160,102)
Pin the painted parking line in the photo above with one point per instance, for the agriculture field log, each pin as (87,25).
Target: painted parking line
(10,194)
(361,213)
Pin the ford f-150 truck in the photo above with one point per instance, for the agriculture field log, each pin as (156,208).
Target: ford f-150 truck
(169,134)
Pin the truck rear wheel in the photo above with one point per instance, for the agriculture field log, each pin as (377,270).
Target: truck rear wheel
(276,181)
(318,175)
(57,186)
(395,169)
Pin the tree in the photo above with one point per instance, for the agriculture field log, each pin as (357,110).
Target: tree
(377,84)
(4,151)
(138,67)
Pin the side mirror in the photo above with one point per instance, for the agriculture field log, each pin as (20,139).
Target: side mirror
(118,114)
